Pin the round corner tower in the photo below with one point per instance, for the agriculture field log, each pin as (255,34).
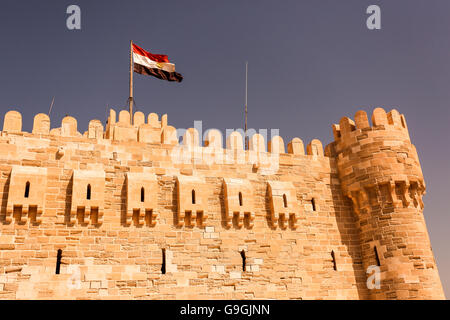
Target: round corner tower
(380,172)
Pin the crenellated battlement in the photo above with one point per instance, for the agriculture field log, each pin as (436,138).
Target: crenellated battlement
(381,152)
(378,163)
(347,131)
(153,130)
(153,141)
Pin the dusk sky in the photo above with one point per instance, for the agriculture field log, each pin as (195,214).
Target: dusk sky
(310,63)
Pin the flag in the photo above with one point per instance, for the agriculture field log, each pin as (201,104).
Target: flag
(156,65)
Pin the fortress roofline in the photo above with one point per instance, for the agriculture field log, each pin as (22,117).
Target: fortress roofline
(153,130)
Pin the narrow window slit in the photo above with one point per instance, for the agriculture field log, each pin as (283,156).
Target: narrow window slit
(240,199)
(88,192)
(193,196)
(285,201)
(377,258)
(243,260)
(163,265)
(313,203)
(333,256)
(27,189)
(142,194)
(58,261)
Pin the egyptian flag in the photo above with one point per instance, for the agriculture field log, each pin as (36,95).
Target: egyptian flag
(156,65)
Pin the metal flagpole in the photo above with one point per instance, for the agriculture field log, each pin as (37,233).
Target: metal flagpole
(130,99)
(245,125)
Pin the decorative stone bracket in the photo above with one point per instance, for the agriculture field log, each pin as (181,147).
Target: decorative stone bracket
(398,193)
(26,193)
(238,202)
(192,195)
(142,198)
(283,204)
(88,195)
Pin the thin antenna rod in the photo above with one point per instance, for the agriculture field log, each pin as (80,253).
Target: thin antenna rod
(246,112)
(51,106)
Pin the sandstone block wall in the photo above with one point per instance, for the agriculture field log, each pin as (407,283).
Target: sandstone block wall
(380,171)
(125,212)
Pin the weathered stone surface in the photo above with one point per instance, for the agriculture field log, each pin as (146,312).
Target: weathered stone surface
(155,227)
(12,121)
(95,130)
(296,147)
(69,127)
(41,124)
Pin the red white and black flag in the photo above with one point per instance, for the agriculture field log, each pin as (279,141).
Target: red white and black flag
(156,65)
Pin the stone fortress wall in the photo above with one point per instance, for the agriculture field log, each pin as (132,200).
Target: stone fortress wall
(128,212)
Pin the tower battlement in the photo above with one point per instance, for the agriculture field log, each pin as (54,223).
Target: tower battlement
(128,211)
(380,155)
(347,130)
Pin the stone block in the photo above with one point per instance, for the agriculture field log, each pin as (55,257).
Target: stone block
(12,122)
(41,124)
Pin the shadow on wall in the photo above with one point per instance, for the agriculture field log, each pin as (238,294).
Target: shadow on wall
(4,200)
(68,201)
(345,217)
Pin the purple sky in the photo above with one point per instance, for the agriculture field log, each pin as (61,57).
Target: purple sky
(310,63)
